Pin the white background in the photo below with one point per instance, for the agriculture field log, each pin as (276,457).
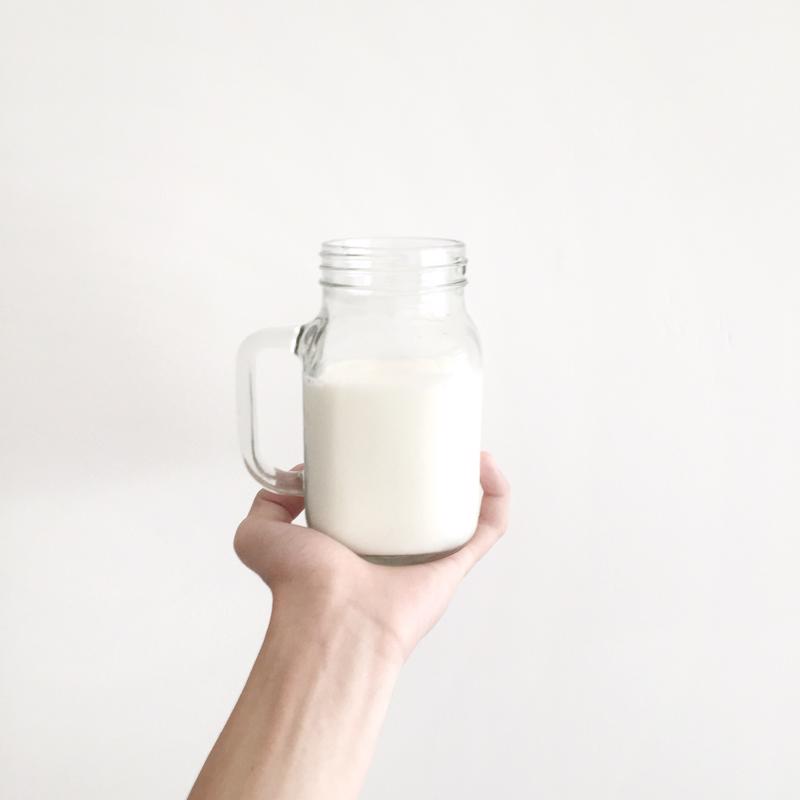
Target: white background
(626,178)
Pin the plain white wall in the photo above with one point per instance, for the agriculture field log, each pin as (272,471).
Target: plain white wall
(626,178)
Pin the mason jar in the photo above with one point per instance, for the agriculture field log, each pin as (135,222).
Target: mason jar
(391,401)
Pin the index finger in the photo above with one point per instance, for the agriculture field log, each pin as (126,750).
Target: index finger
(276,507)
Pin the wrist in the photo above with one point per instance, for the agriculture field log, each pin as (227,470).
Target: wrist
(333,628)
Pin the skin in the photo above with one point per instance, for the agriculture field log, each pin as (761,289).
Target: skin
(308,718)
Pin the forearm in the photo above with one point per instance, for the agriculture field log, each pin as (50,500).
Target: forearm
(306,723)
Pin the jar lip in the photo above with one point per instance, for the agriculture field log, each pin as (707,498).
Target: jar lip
(392,253)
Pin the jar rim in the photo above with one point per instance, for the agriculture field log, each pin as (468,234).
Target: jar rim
(392,253)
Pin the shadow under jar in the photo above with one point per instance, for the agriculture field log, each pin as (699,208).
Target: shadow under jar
(391,401)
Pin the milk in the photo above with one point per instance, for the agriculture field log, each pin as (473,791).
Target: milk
(392,454)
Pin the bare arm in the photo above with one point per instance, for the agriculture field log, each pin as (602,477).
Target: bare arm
(308,718)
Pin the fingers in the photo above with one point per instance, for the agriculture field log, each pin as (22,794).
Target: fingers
(493,517)
(267,522)
(277,507)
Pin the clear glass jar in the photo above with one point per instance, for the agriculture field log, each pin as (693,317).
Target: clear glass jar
(391,400)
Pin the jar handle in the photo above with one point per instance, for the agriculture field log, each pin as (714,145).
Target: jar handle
(286,338)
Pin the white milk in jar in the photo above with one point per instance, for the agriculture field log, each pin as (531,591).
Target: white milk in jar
(392,453)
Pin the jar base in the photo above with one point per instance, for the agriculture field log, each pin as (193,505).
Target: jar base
(404,561)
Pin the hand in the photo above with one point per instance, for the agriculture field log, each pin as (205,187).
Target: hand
(309,715)
(313,576)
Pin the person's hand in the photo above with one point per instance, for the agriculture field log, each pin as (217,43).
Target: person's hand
(308,717)
(314,577)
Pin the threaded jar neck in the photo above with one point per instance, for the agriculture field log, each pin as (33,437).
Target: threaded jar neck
(399,265)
